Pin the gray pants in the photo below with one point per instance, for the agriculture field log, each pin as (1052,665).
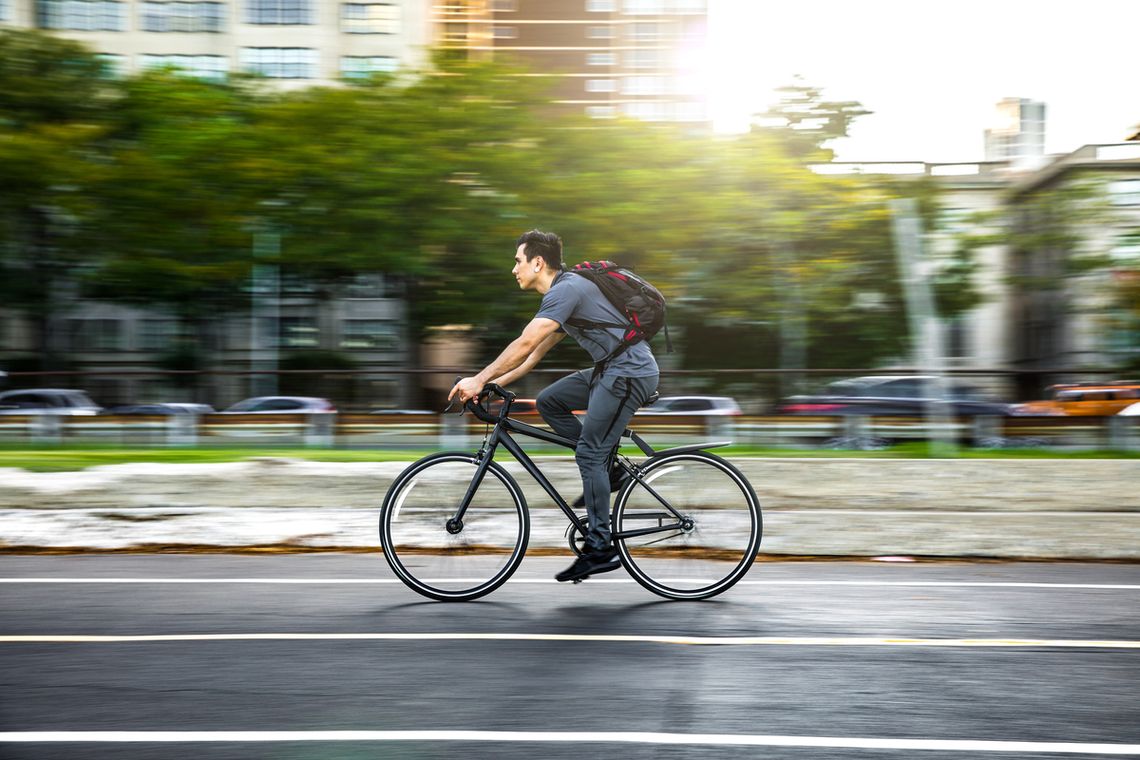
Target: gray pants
(609,406)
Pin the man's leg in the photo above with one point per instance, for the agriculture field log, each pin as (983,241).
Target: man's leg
(608,414)
(558,402)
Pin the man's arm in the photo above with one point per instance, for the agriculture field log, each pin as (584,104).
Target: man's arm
(535,356)
(512,357)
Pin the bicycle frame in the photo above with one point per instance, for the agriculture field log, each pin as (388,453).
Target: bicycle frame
(500,435)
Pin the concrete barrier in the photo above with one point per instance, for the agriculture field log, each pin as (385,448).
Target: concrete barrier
(1054,509)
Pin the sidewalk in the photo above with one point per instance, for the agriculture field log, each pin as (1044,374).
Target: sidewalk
(1046,509)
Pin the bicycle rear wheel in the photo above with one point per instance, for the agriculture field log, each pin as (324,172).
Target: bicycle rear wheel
(690,528)
(439,557)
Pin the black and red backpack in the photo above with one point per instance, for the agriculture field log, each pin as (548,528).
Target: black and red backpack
(633,296)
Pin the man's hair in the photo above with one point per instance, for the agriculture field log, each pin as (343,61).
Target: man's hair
(544,244)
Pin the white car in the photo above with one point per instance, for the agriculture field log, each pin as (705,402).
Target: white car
(1132,410)
(281,405)
(695,405)
(61,401)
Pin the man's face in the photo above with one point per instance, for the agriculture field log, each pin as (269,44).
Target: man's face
(524,270)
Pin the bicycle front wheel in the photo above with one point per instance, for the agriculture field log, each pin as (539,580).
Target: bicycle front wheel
(690,528)
(446,558)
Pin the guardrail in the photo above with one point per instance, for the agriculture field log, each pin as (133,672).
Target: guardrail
(434,431)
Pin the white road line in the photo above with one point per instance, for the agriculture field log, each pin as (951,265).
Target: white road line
(576,737)
(551,581)
(811,641)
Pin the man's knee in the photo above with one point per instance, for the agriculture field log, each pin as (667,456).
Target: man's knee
(589,458)
(548,403)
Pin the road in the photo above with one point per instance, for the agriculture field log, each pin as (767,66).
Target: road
(327,656)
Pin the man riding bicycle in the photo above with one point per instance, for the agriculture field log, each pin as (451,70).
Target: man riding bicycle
(609,393)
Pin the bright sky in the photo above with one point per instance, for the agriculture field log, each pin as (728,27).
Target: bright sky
(933,71)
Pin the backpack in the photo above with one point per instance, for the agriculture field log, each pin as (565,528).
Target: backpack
(640,302)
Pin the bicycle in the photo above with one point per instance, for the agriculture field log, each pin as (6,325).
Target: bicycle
(687,524)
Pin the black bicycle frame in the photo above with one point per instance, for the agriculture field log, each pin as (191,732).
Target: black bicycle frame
(500,435)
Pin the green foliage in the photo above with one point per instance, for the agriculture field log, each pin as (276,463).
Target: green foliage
(803,121)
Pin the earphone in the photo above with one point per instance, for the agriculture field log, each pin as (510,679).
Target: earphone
(536,269)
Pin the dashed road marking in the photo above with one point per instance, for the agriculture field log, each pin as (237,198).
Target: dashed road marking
(574,737)
(809,641)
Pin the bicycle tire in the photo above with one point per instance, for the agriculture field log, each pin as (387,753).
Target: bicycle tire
(717,548)
(459,565)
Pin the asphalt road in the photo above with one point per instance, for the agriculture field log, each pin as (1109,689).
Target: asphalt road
(327,656)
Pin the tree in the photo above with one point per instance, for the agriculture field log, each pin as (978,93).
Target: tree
(51,132)
(803,121)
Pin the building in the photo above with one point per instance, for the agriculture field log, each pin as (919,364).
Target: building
(611,57)
(1042,310)
(1081,206)
(296,43)
(1018,133)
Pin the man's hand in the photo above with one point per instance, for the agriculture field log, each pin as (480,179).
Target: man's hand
(467,388)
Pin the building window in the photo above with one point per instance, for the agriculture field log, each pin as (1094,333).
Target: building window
(87,335)
(689,6)
(157,334)
(370,18)
(644,86)
(181,17)
(4,10)
(504,6)
(601,112)
(504,32)
(644,59)
(601,59)
(648,110)
(644,7)
(600,32)
(279,12)
(82,15)
(364,66)
(298,332)
(280,63)
(1124,192)
(370,335)
(601,85)
(646,31)
(213,67)
(601,6)
(114,65)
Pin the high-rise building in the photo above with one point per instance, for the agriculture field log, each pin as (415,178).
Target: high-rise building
(1018,133)
(612,57)
(295,43)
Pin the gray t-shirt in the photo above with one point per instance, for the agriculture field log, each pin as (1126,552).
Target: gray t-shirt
(574,296)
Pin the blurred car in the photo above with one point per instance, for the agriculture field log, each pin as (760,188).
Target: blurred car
(697,405)
(1132,410)
(518,406)
(161,409)
(890,395)
(1083,399)
(62,401)
(281,405)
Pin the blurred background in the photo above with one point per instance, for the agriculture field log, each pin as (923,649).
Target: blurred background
(270,207)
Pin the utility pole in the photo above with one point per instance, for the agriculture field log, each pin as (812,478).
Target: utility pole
(926,335)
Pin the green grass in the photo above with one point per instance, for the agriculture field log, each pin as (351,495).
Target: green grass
(78,457)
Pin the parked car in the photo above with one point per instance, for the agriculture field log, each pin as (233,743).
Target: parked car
(695,405)
(62,401)
(164,409)
(281,405)
(890,395)
(1083,399)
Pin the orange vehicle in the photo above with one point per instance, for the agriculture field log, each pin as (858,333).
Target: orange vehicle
(1084,399)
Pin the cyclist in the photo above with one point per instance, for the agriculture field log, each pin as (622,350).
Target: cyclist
(609,393)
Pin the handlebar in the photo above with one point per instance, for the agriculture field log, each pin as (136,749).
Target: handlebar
(476,408)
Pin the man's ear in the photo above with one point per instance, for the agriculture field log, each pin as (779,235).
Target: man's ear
(538,262)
